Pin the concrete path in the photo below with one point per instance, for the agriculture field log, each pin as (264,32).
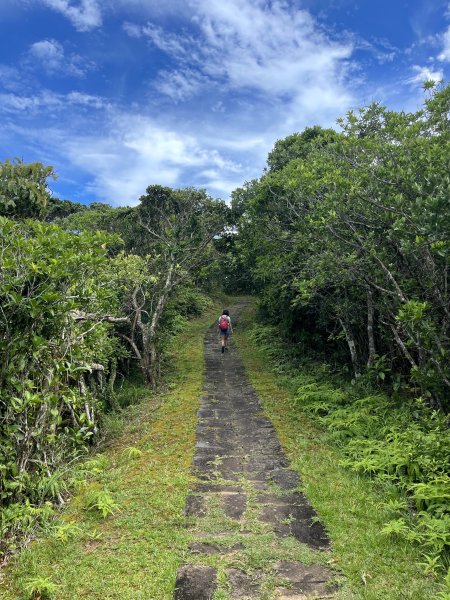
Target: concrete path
(254,534)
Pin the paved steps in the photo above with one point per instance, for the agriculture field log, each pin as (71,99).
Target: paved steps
(247,498)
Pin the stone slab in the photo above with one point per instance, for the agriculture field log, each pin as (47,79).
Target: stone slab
(195,582)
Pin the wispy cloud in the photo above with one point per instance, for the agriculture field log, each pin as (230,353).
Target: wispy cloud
(118,154)
(445,40)
(382,50)
(136,151)
(199,89)
(85,15)
(271,60)
(181,85)
(422,74)
(11,78)
(49,54)
(275,49)
(47,100)
(240,73)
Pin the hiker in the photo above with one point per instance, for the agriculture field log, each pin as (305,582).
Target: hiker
(225,328)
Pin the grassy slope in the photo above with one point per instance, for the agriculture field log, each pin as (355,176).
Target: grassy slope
(134,552)
(376,568)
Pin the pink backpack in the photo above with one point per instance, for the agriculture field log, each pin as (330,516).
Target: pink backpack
(223,323)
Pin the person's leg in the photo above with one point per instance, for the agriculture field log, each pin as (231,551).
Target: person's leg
(222,341)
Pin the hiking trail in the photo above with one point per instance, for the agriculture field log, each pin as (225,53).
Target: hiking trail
(254,534)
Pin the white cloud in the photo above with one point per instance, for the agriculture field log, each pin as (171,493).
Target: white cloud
(445,53)
(274,48)
(11,78)
(273,51)
(382,50)
(16,103)
(87,15)
(423,74)
(84,15)
(149,152)
(49,52)
(12,103)
(132,29)
(50,55)
(242,73)
(177,45)
(135,151)
(118,154)
(81,99)
(180,85)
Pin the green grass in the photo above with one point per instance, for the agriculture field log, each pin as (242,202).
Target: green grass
(375,567)
(139,483)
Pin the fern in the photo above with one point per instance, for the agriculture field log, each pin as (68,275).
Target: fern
(40,588)
(101,501)
(433,494)
(132,452)
(66,532)
(398,527)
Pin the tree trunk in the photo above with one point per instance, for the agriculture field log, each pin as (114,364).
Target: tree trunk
(370,314)
(149,362)
(352,347)
(402,347)
(145,361)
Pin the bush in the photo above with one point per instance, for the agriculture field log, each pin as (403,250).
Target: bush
(403,444)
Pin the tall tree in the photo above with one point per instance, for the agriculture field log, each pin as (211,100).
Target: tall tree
(175,230)
(356,234)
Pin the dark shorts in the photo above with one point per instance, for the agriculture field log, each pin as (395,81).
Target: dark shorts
(225,333)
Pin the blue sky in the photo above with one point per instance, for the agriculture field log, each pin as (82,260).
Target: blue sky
(120,94)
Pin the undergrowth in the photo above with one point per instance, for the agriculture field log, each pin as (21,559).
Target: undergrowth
(47,484)
(403,445)
(121,534)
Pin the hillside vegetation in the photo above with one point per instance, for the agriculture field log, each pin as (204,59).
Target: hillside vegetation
(344,239)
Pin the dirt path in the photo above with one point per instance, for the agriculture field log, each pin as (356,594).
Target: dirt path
(254,534)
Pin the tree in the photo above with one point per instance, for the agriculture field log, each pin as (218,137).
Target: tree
(60,209)
(298,145)
(174,230)
(24,191)
(60,299)
(355,235)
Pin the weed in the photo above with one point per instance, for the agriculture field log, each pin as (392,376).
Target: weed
(132,452)
(40,588)
(66,531)
(100,501)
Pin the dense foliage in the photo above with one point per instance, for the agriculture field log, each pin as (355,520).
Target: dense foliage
(77,307)
(349,242)
(346,236)
(48,413)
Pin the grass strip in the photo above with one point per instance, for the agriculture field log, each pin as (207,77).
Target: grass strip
(350,506)
(140,483)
